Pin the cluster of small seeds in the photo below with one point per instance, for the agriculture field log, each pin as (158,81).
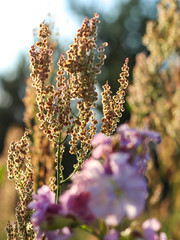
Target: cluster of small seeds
(63,109)
(82,70)
(120,94)
(45,94)
(113,106)
(109,119)
(40,149)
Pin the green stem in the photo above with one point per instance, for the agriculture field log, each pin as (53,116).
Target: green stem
(64,140)
(103,229)
(59,171)
(75,170)
(89,154)
(74,114)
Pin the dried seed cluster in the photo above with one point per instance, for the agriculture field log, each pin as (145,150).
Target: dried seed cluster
(51,116)
(113,106)
(40,149)
(76,80)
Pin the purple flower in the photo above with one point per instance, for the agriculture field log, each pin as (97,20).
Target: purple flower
(112,235)
(126,132)
(136,142)
(102,145)
(75,202)
(128,144)
(45,208)
(117,158)
(44,202)
(110,196)
(150,227)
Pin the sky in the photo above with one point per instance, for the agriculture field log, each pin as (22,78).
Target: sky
(18,18)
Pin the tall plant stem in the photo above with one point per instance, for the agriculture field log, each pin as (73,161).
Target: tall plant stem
(59,171)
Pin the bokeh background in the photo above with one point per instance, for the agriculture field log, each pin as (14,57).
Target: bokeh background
(123,24)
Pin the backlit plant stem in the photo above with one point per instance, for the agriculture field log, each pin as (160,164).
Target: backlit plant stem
(59,170)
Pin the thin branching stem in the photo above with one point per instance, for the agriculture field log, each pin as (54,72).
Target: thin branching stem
(59,170)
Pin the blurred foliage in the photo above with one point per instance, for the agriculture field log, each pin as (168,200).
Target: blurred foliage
(2,172)
(154,99)
(12,92)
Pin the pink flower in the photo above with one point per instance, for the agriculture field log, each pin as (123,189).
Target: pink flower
(152,223)
(163,236)
(102,145)
(101,139)
(110,196)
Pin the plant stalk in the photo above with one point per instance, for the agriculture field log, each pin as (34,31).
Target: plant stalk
(59,171)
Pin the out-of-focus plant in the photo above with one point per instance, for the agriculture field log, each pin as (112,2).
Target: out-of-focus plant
(11,94)
(2,173)
(20,171)
(154,98)
(7,190)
